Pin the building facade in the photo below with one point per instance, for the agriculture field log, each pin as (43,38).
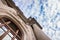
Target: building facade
(15,26)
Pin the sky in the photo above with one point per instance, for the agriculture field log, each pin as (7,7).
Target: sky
(46,12)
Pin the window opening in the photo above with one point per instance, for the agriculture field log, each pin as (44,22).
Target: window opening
(9,31)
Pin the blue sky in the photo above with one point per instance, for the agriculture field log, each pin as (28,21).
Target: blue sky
(46,12)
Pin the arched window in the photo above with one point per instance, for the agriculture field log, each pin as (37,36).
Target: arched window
(9,30)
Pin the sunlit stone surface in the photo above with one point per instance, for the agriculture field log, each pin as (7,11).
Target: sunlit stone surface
(46,12)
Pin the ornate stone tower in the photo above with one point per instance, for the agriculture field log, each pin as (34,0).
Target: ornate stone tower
(15,26)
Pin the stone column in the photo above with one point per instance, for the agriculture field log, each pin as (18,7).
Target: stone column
(40,35)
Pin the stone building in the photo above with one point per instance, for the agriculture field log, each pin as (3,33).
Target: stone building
(15,26)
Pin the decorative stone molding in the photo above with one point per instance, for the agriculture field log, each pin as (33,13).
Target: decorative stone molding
(30,32)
